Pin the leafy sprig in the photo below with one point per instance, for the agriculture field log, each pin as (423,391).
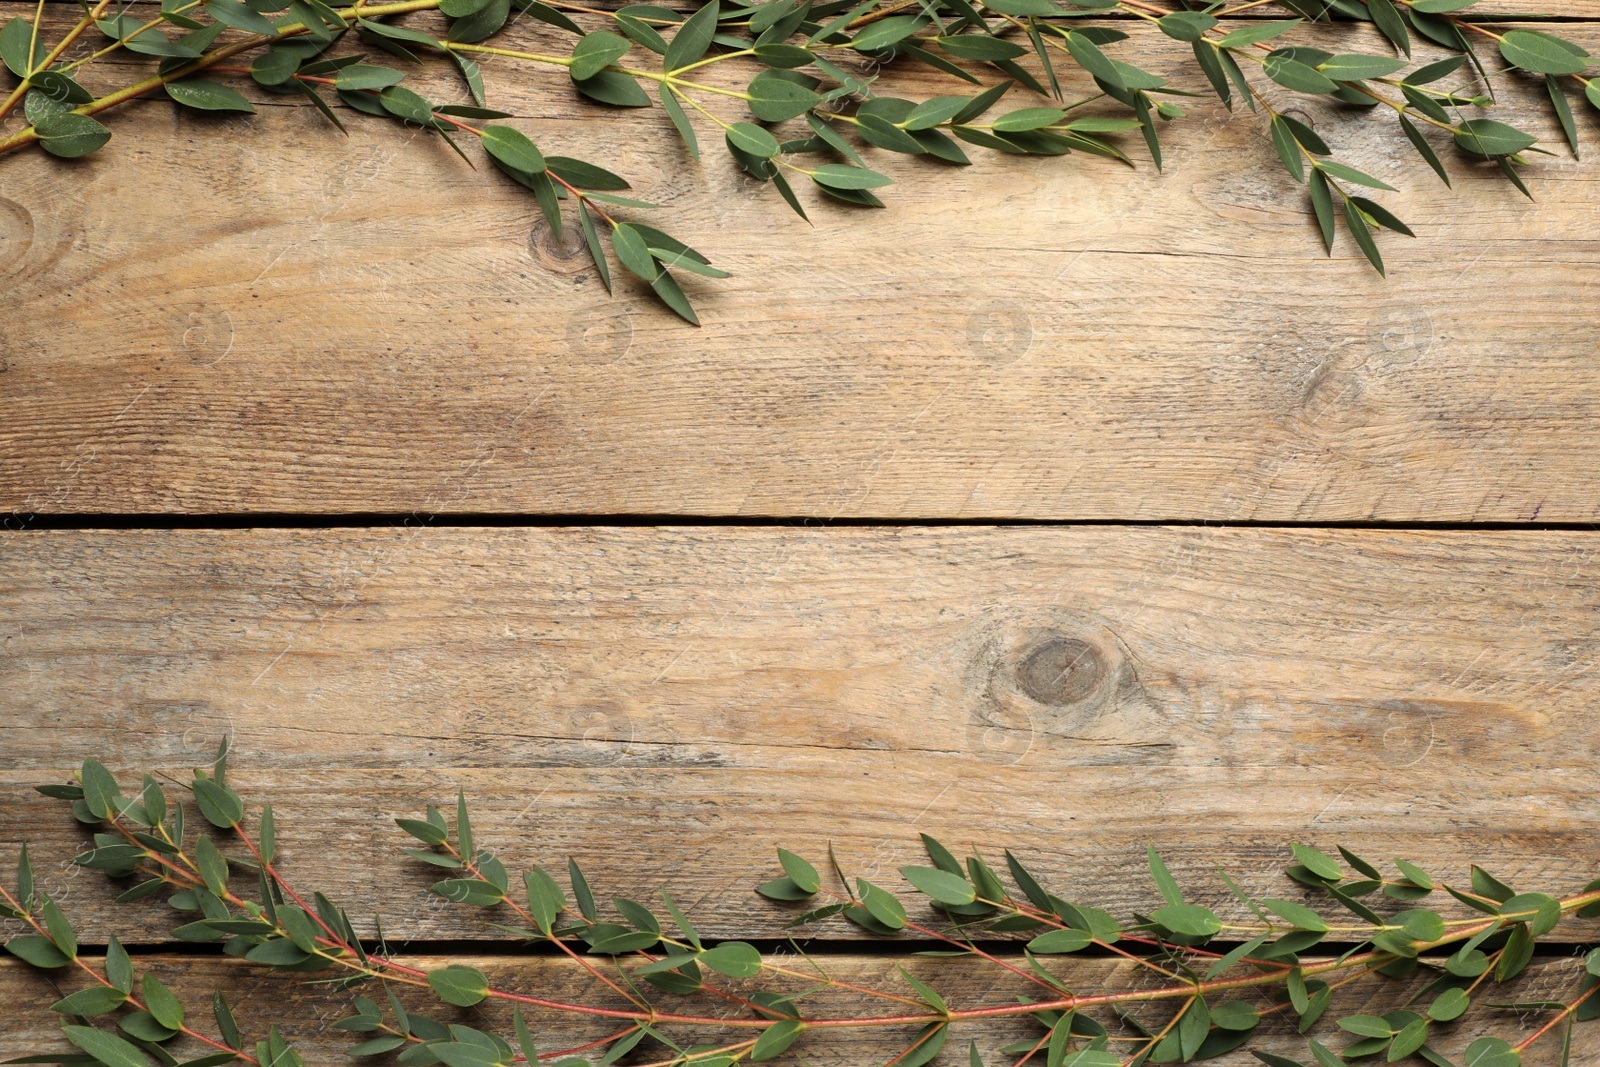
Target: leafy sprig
(810,55)
(1205,971)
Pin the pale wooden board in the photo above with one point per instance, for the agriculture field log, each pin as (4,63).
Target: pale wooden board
(256,314)
(669,705)
(305,1014)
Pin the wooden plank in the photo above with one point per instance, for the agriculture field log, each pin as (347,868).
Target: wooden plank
(668,705)
(317,323)
(305,1013)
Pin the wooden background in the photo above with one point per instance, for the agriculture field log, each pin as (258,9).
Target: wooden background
(324,445)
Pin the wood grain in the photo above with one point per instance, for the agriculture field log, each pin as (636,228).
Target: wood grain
(668,705)
(304,1013)
(302,322)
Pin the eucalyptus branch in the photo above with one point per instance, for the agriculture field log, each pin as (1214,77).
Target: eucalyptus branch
(807,51)
(1204,982)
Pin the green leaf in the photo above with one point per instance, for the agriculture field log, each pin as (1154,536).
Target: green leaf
(459,985)
(1292,74)
(241,17)
(1024,8)
(37,951)
(524,1038)
(782,889)
(472,891)
(275,66)
(1367,1026)
(1542,53)
(1451,1004)
(109,1049)
(1563,110)
(1539,911)
(1289,153)
(1235,1015)
(226,1024)
(879,902)
(1239,952)
(887,32)
(1353,67)
(774,99)
(842,176)
(942,886)
(142,1026)
(1030,118)
(1091,59)
(1419,924)
(1273,1060)
(1058,941)
(927,994)
(981,47)
(376,1046)
(584,176)
(161,1002)
(585,899)
(732,958)
(119,968)
(613,88)
(1257,33)
(595,52)
(748,137)
(634,253)
(680,121)
(1297,915)
(1363,235)
(1188,920)
(775,1039)
(680,918)
(1315,860)
(221,806)
(800,871)
(1424,149)
(1487,137)
(545,899)
(267,834)
(213,868)
(1207,56)
(350,79)
(100,790)
(930,113)
(1516,954)
(1186,25)
(59,929)
(95,1000)
(1392,26)
(514,149)
(1350,174)
(25,883)
(16,40)
(1491,1052)
(1410,1038)
(1165,883)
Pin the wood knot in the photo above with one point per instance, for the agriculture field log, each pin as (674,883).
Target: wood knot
(16,233)
(566,255)
(1061,671)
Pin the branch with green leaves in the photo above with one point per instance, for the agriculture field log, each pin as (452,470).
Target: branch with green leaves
(1207,981)
(820,89)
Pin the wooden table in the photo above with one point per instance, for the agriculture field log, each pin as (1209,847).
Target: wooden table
(1060,507)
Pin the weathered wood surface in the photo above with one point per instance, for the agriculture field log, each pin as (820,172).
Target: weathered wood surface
(256,314)
(304,1014)
(668,705)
